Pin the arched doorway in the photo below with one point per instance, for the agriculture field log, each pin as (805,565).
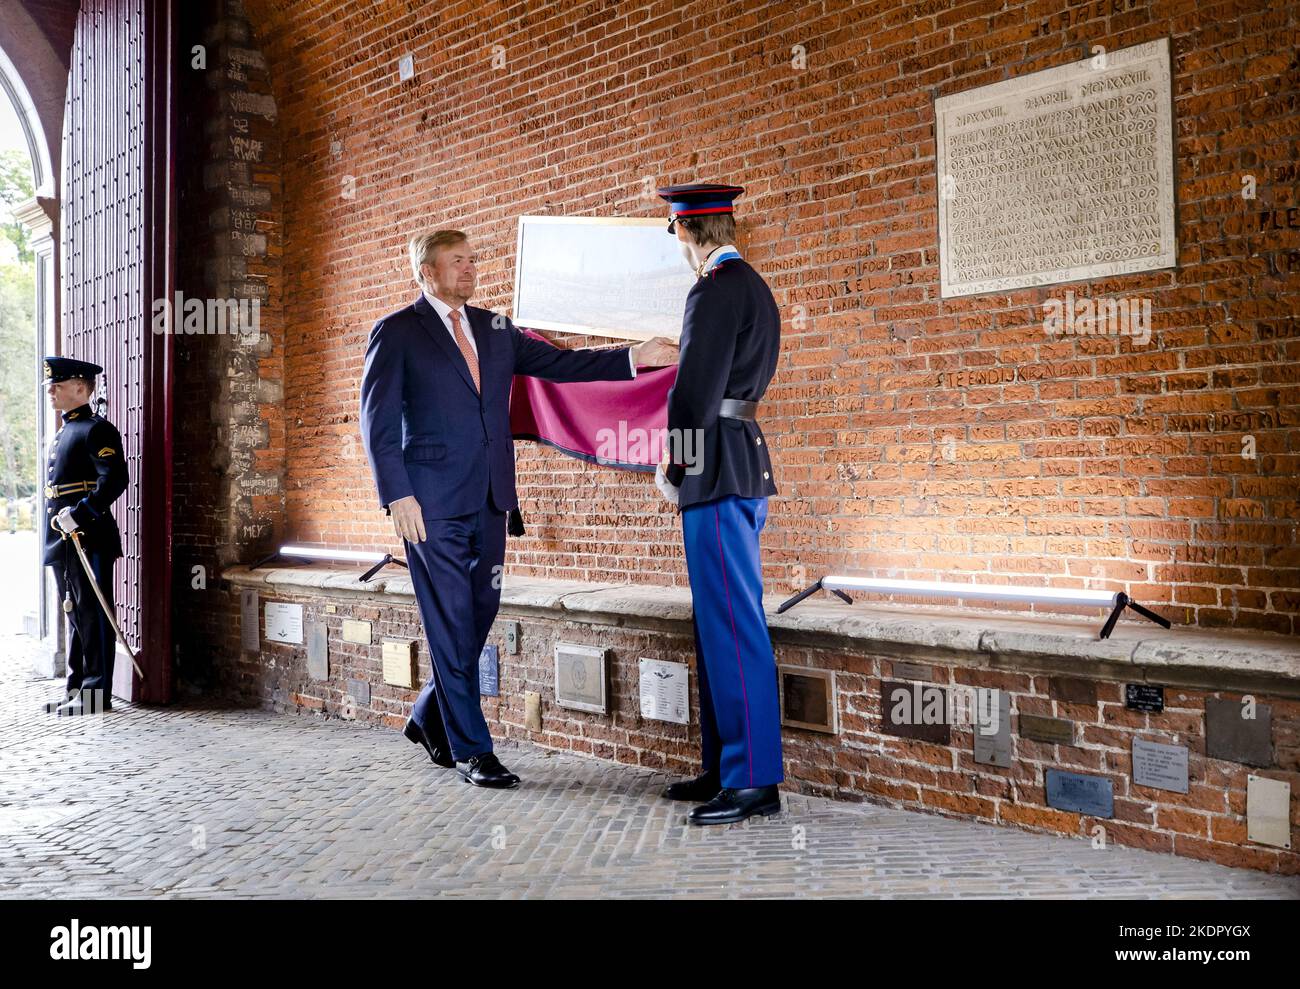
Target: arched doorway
(37,216)
(100,117)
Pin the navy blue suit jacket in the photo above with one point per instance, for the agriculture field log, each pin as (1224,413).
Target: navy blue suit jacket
(426,430)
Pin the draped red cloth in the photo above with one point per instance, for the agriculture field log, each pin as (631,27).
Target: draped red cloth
(613,423)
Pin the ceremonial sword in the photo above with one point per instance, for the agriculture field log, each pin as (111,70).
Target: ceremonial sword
(99,595)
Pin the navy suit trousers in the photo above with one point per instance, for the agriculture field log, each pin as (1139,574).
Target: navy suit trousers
(457,572)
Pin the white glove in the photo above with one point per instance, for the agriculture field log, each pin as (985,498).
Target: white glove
(65,521)
(668,490)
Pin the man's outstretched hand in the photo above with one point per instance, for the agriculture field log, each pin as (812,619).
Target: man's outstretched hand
(656,352)
(408,520)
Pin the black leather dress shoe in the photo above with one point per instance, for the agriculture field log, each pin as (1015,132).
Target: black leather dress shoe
(440,755)
(704,787)
(486,770)
(731,806)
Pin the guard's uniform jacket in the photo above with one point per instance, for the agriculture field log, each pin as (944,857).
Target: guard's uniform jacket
(731,322)
(86,472)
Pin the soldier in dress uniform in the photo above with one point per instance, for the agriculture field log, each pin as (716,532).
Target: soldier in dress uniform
(85,474)
(731,336)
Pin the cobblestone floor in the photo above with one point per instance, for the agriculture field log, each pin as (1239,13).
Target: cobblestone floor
(197,802)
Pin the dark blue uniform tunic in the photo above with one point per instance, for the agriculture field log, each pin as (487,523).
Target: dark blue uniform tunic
(86,471)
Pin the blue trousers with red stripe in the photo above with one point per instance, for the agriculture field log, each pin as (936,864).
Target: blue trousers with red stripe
(740,723)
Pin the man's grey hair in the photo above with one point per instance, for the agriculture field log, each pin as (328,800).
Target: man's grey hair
(423,248)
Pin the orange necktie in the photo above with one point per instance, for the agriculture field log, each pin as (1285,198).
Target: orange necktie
(466,350)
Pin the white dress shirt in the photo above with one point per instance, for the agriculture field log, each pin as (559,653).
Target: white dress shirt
(444,312)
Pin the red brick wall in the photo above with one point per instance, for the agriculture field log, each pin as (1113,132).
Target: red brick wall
(1082,469)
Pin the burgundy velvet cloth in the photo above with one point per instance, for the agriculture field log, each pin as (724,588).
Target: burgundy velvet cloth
(614,423)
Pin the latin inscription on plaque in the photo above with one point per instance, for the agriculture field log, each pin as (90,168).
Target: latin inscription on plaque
(1238,731)
(1159,765)
(1083,794)
(1039,729)
(1058,175)
(994,748)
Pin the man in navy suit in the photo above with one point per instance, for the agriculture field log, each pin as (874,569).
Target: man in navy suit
(435,419)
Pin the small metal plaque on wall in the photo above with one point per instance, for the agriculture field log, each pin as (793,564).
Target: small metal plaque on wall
(808,699)
(399,662)
(580,678)
(489,672)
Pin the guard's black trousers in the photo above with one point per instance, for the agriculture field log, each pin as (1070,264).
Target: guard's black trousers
(91,643)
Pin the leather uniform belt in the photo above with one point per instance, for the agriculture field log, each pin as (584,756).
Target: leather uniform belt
(76,487)
(735,408)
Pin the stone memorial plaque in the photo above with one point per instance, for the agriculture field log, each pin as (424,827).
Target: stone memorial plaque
(283,622)
(1230,734)
(665,694)
(1159,765)
(532,710)
(1058,175)
(250,629)
(993,748)
(356,631)
(1268,819)
(915,710)
(1073,690)
(1055,730)
(1083,794)
(1144,697)
(400,663)
(580,677)
(318,650)
(489,672)
(913,671)
(359,691)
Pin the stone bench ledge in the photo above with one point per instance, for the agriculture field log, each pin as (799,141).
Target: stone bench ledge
(1136,651)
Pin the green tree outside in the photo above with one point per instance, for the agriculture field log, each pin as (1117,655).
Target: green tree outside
(17,342)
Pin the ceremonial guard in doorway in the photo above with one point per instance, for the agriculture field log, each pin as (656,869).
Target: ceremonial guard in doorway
(731,336)
(85,473)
